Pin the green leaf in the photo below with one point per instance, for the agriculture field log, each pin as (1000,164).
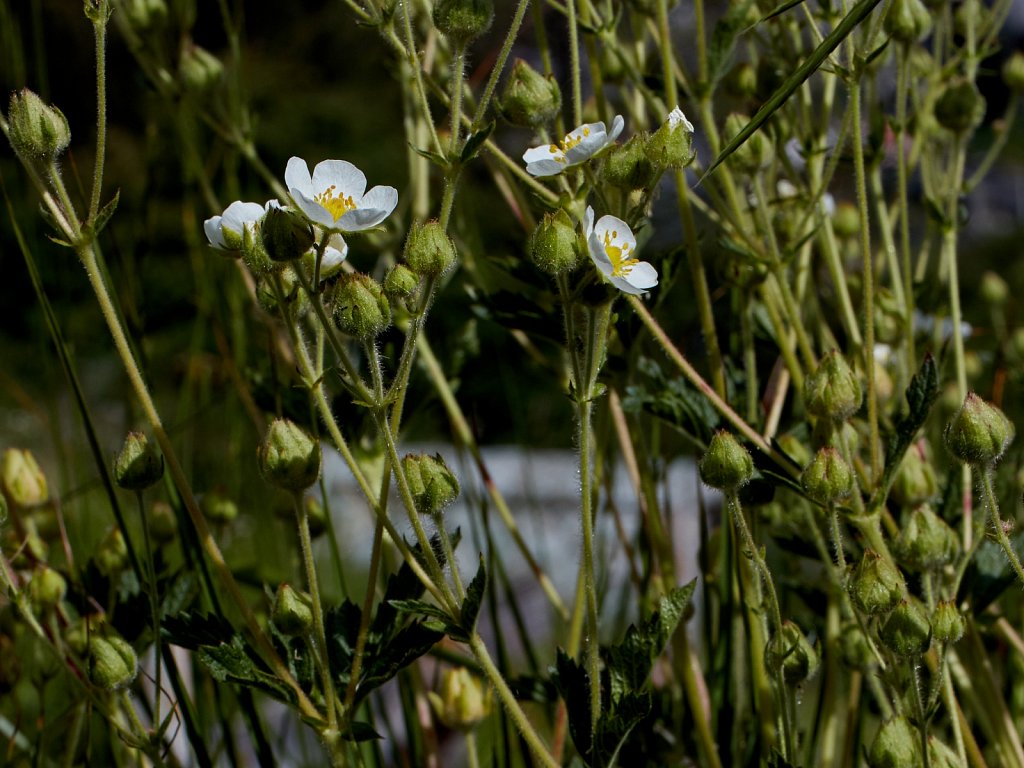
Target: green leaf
(232,662)
(421,608)
(920,394)
(103,214)
(475,141)
(859,12)
(409,644)
(674,400)
(723,40)
(989,573)
(474,597)
(360,731)
(778,11)
(192,630)
(573,684)
(433,157)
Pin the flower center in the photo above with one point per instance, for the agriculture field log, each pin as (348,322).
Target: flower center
(568,143)
(622,264)
(336,204)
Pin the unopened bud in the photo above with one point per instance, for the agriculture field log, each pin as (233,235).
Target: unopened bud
(907,21)
(854,648)
(293,614)
(791,652)
(926,541)
(828,478)
(726,465)
(218,507)
(627,166)
(47,588)
(464,701)
(400,282)
(994,289)
(979,433)
(113,664)
(285,235)
(316,516)
(753,154)
(24,483)
(846,220)
(1013,72)
(200,70)
(833,391)
(428,250)
(144,15)
(671,146)
(463,20)
(906,632)
(897,745)
(38,131)
(433,485)
(530,99)
(112,553)
(960,107)
(915,481)
(554,244)
(138,465)
(254,252)
(360,307)
(947,622)
(877,585)
(163,524)
(288,457)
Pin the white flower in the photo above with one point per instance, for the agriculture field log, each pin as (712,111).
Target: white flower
(225,232)
(335,195)
(677,118)
(611,245)
(334,254)
(579,145)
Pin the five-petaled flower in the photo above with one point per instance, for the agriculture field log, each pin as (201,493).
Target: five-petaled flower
(225,232)
(335,196)
(611,245)
(579,145)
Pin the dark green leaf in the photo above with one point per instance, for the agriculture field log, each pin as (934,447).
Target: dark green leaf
(103,214)
(475,141)
(615,725)
(920,394)
(431,156)
(360,731)
(421,608)
(192,630)
(474,597)
(232,662)
(573,684)
(409,644)
(989,573)
(782,9)
(723,40)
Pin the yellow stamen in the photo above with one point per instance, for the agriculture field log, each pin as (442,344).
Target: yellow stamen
(622,264)
(336,205)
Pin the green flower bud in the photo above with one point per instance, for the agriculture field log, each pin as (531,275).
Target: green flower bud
(753,154)
(47,588)
(145,15)
(400,282)
(726,465)
(288,457)
(360,307)
(530,99)
(979,433)
(792,653)
(994,289)
(463,20)
(897,745)
(960,107)
(926,541)
(915,481)
(828,478)
(138,465)
(854,649)
(554,244)
(163,523)
(846,220)
(876,585)
(907,21)
(38,132)
(254,253)
(218,507)
(295,299)
(112,553)
(293,613)
(24,483)
(433,485)
(940,755)
(906,632)
(671,146)
(200,70)
(464,701)
(76,636)
(428,250)
(833,391)
(741,80)
(316,516)
(1013,72)
(113,664)
(794,447)
(285,236)
(627,166)
(947,622)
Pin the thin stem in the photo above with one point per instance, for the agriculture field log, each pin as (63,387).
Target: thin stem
(154,605)
(996,523)
(100,32)
(574,63)
(499,63)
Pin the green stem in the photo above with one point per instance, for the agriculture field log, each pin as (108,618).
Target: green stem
(499,63)
(100,32)
(574,63)
(154,605)
(996,524)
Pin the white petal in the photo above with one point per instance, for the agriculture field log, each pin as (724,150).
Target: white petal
(382,198)
(588,222)
(346,178)
(271,203)
(623,235)
(212,229)
(297,178)
(599,255)
(617,125)
(360,218)
(313,210)
(238,214)
(588,147)
(624,285)
(642,276)
(334,255)
(545,168)
(545,152)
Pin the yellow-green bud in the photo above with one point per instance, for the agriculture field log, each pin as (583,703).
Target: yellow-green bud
(530,99)
(112,661)
(791,652)
(753,154)
(941,755)
(960,107)
(316,516)
(146,14)
(915,481)
(833,391)
(877,585)
(47,588)
(200,70)
(285,236)
(38,131)
(464,701)
(360,307)
(554,244)
(828,478)
(428,250)
(627,166)
(1013,72)
(293,614)
(846,220)
(289,458)
(400,282)
(23,481)
(433,485)
(163,523)
(926,541)
(138,465)
(218,507)
(671,146)
(979,433)
(897,745)
(854,648)
(741,80)
(112,553)
(726,464)
(254,253)
(906,632)
(907,21)
(994,289)
(794,447)
(947,622)
(463,20)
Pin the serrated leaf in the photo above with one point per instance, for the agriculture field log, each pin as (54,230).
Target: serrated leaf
(673,400)
(421,608)
(615,726)
(475,141)
(231,662)
(103,214)
(474,598)
(920,394)
(573,684)
(409,644)
(192,630)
